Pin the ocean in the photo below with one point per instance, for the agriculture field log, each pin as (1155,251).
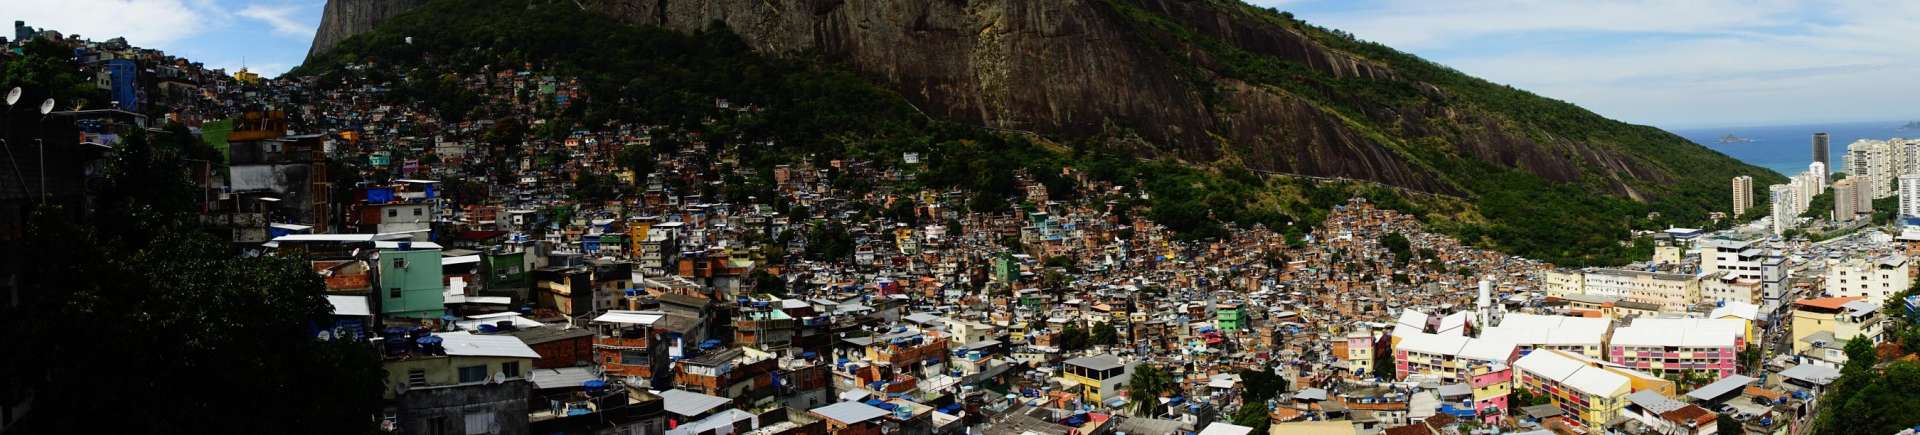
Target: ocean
(1789,149)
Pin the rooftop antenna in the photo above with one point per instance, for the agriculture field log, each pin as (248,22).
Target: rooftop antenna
(45,108)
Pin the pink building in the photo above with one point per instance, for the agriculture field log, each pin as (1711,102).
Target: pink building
(1491,386)
(1679,345)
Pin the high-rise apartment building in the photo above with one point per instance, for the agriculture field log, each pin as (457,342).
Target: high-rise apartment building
(1818,173)
(1780,196)
(1742,194)
(1846,201)
(1821,153)
(1909,195)
(1873,161)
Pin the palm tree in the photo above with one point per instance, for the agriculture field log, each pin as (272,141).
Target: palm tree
(1145,386)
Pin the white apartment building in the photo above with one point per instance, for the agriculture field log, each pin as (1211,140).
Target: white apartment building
(1579,335)
(1452,358)
(1720,287)
(1670,291)
(1909,195)
(1561,283)
(1875,279)
(1781,198)
(1817,171)
(1737,257)
(1874,160)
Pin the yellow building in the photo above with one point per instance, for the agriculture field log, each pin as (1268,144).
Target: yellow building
(1822,327)
(637,231)
(1099,376)
(247,77)
(1748,313)
(1589,391)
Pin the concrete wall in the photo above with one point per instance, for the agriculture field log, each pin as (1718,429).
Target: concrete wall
(501,407)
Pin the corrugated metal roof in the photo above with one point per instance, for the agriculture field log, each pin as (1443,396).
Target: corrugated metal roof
(350,305)
(689,403)
(630,317)
(565,377)
(850,412)
(460,343)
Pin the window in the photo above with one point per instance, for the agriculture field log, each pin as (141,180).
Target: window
(632,357)
(471,374)
(393,293)
(416,211)
(440,426)
(393,212)
(479,423)
(400,263)
(512,369)
(416,378)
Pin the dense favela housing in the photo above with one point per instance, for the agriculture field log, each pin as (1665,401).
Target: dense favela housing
(517,276)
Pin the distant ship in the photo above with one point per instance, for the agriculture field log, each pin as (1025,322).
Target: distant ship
(1730,138)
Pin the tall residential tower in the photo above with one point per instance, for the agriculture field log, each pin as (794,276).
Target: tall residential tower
(1821,153)
(1846,201)
(1780,196)
(1742,194)
(1909,195)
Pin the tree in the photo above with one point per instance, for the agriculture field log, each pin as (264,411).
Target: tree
(1399,246)
(1383,367)
(1104,334)
(139,299)
(1253,415)
(1525,397)
(987,202)
(767,284)
(903,211)
(46,69)
(1750,357)
(829,241)
(1257,386)
(636,158)
(1144,388)
(1073,338)
(1059,261)
(1853,394)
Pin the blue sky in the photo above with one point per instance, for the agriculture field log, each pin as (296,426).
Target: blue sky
(1674,64)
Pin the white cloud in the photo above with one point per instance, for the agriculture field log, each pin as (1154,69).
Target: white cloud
(142,22)
(280,19)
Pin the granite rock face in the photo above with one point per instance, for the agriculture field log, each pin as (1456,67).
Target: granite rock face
(344,18)
(1074,68)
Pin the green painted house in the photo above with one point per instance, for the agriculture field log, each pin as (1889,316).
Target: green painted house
(1229,318)
(1006,270)
(506,270)
(411,283)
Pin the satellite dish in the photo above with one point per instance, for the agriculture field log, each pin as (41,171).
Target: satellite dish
(46,106)
(13,96)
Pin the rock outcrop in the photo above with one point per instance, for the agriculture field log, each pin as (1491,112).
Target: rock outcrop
(1074,68)
(344,18)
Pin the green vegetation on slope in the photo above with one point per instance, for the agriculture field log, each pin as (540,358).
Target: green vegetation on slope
(655,76)
(1566,223)
(648,75)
